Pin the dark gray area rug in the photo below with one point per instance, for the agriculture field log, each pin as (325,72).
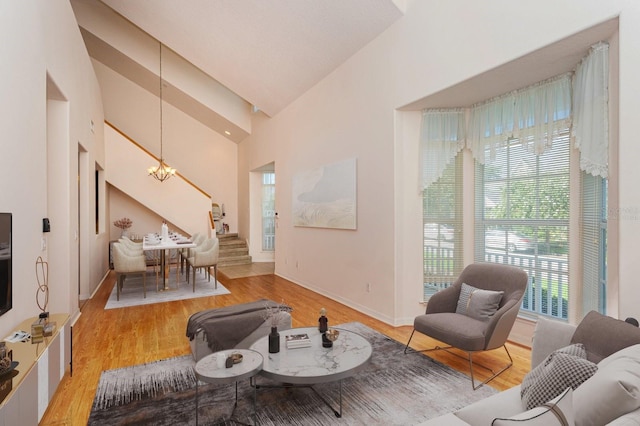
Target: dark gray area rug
(394,389)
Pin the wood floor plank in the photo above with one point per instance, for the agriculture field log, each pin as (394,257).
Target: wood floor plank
(116,338)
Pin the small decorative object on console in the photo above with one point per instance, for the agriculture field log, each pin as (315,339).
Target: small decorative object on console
(18,336)
(37,332)
(7,363)
(5,358)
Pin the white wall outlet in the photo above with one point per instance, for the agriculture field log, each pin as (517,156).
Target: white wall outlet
(43,243)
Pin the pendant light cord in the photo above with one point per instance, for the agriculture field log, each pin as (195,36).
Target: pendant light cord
(161,124)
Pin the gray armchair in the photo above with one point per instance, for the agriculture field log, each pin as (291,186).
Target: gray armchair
(444,321)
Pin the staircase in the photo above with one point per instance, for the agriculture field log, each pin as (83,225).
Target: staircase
(233,251)
(125,164)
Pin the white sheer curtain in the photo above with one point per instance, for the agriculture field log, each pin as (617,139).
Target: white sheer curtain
(591,114)
(534,115)
(442,136)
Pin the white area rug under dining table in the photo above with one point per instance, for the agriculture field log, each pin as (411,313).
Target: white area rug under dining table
(132,291)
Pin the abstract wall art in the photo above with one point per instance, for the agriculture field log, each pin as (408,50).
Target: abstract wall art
(325,197)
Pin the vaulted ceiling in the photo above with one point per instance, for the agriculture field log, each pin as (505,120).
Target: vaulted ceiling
(267,52)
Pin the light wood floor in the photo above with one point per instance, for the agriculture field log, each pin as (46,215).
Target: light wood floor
(117,338)
(250,270)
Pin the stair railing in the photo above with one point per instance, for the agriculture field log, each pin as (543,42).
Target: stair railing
(124,135)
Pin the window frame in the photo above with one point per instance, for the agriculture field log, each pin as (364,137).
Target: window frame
(547,267)
(445,233)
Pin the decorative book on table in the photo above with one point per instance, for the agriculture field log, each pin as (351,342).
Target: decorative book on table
(298,341)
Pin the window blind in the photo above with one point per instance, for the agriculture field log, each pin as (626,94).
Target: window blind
(442,229)
(593,237)
(522,218)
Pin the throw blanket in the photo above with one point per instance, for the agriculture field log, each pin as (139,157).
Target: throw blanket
(226,327)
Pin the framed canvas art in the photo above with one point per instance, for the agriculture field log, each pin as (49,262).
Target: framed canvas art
(326,197)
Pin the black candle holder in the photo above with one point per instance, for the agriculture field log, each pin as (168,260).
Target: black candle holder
(326,343)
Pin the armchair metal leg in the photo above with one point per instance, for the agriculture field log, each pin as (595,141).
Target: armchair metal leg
(410,337)
(494,374)
(469,358)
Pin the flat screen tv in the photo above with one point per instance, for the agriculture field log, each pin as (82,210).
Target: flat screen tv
(6,276)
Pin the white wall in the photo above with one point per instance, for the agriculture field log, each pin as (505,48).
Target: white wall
(41,38)
(176,199)
(351,113)
(203,156)
(145,221)
(110,27)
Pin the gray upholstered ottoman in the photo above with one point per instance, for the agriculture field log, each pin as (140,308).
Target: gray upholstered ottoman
(229,327)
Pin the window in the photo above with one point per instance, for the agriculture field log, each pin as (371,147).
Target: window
(523,143)
(593,238)
(268,211)
(522,218)
(442,229)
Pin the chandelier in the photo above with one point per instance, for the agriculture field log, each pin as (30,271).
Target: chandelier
(162,171)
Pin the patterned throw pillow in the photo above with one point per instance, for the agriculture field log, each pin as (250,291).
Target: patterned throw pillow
(477,303)
(564,368)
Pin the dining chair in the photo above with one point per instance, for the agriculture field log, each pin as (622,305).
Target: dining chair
(197,238)
(127,262)
(136,248)
(206,257)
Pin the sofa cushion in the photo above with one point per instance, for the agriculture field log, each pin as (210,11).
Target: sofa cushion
(449,419)
(478,303)
(613,391)
(481,413)
(566,367)
(548,336)
(602,335)
(558,411)
(629,419)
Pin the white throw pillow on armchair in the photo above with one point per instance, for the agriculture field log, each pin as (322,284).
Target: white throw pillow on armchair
(478,303)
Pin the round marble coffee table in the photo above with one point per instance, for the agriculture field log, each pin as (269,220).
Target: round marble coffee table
(210,369)
(305,367)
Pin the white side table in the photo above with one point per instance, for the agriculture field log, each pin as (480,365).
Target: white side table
(209,370)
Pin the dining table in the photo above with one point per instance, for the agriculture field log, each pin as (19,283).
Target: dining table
(165,245)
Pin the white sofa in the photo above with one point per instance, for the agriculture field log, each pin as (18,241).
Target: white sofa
(610,397)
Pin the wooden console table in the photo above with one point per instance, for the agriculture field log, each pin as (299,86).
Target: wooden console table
(25,393)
